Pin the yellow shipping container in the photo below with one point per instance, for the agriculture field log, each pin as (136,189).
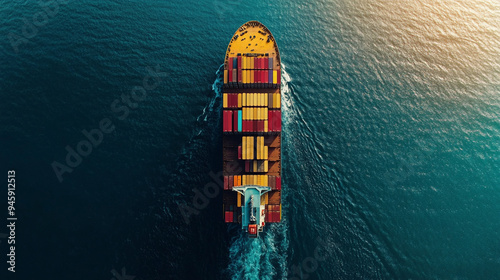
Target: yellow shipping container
(266,178)
(264,200)
(266,125)
(259,150)
(244,180)
(265,99)
(249,155)
(260,146)
(225,76)
(239,100)
(262,99)
(243,147)
(251,147)
(249,76)
(254,166)
(266,165)
(243,76)
(275,77)
(238,201)
(278,100)
(224,100)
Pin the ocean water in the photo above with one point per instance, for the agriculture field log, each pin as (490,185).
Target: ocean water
(391,139)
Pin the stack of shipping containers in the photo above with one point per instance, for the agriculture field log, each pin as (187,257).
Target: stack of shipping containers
(252,132)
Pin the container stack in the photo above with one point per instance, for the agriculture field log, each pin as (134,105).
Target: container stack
(273,214)
(251,70)
(251,112)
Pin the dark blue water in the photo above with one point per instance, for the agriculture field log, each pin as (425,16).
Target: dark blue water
(391,149)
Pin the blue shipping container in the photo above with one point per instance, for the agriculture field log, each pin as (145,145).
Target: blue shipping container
(240,120)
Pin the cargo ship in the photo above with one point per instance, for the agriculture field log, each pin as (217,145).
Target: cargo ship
(252,129)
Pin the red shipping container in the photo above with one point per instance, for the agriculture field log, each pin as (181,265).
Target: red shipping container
(247,166)
(228,217)
(226,183)
(267,217)
(278,182)
(240,76)
(230,73)
(266,63)
(224,121)
(277,218)
(255,126)
(279,77)
(239,152)
(261,126)
(266,76)
(278,120)
(230,65)
(231,182)
(239,62)
(269,120)
(229,121)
